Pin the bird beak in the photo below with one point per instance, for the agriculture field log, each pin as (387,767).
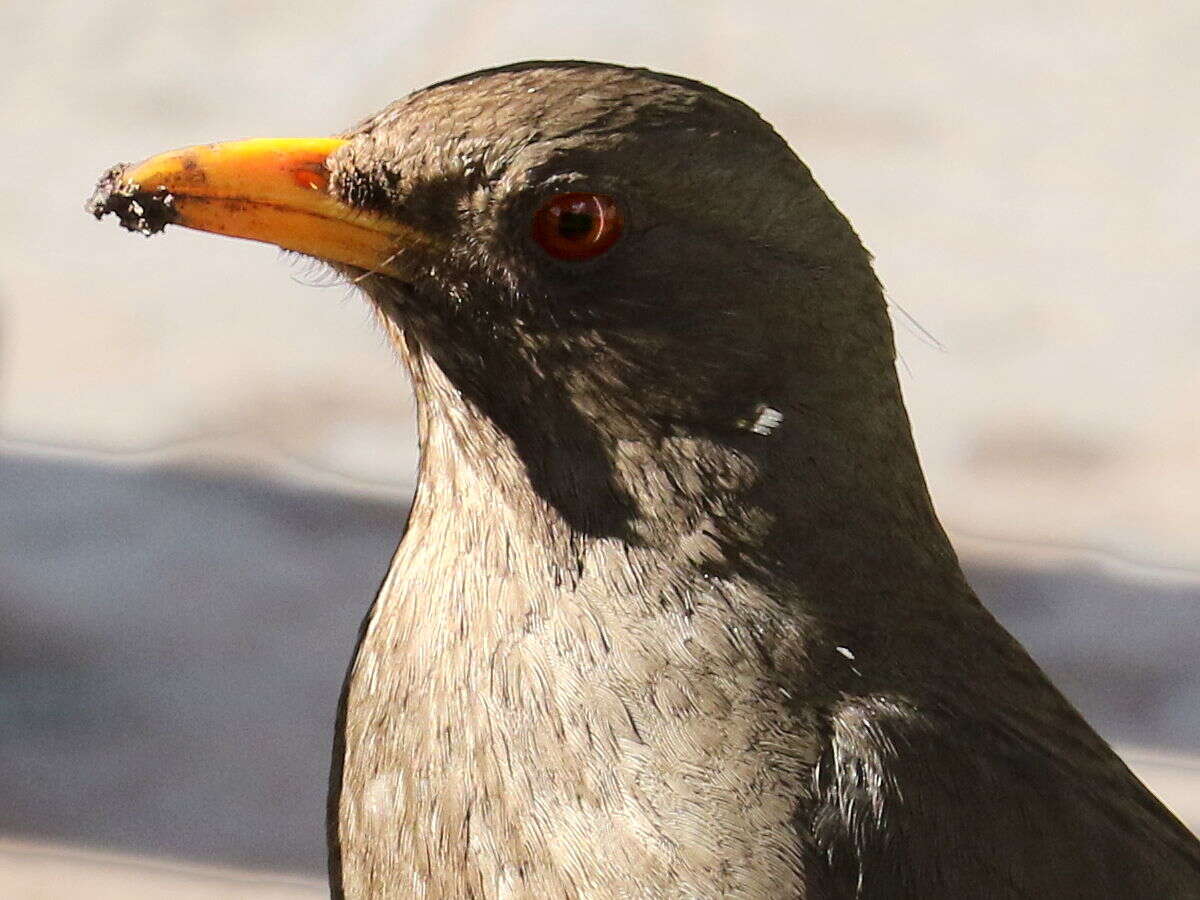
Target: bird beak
(273,190)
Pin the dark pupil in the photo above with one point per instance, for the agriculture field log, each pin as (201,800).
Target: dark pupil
(575,225)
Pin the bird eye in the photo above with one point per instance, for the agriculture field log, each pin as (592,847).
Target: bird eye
(577,226)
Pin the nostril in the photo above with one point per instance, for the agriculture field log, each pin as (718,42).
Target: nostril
(312,175)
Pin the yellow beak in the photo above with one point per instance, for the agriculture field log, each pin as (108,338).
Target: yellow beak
(273,190)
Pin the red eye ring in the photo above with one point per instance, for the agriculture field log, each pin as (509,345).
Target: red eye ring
(578,225)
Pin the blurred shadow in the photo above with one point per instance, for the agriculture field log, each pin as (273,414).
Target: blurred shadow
(172,645)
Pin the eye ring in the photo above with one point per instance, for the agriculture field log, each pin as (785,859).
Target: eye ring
(578,225)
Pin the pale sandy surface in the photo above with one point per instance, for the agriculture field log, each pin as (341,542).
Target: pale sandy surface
(48,872)
(1025,172)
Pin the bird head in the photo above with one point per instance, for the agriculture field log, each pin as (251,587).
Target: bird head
(587,257)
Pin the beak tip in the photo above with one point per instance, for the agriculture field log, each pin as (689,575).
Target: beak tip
(146,212)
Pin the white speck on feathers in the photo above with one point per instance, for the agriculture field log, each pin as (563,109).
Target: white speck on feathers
(769,418)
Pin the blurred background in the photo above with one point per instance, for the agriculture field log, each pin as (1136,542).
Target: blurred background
(206,448)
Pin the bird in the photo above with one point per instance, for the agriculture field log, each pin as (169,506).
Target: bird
(673,615)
